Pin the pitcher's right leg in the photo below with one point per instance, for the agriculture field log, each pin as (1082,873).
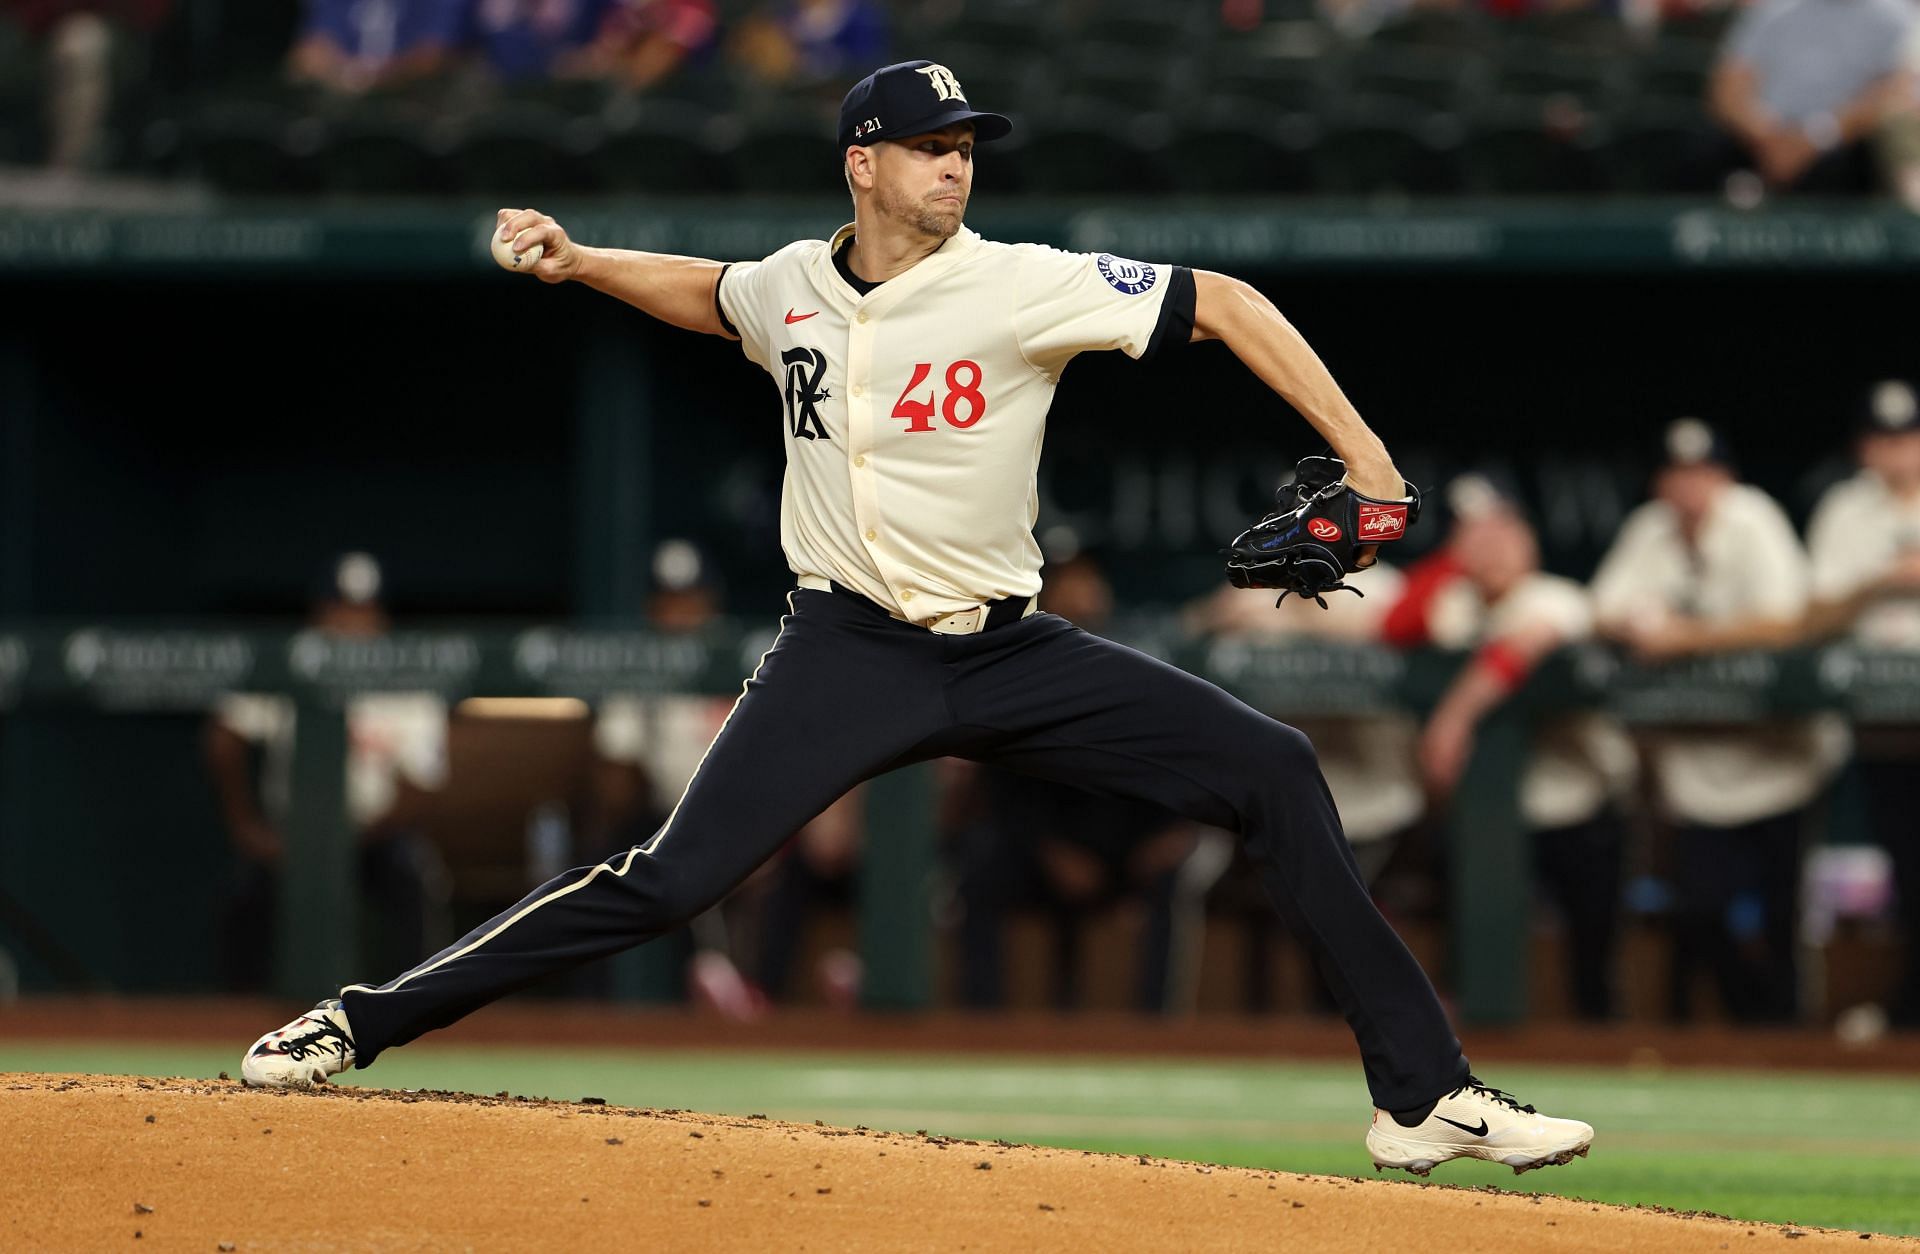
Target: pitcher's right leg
(835,699)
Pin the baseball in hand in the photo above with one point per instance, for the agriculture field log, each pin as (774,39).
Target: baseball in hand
(508,259)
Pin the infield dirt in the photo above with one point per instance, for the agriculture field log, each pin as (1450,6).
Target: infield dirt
(105,1162)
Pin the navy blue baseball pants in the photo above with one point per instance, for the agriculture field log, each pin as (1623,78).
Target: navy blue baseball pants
(848,692)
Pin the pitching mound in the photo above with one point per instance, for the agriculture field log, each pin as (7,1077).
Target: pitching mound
(100,1162)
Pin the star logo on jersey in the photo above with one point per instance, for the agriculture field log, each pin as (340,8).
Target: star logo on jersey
(944,84)
(793,317)
(805,368)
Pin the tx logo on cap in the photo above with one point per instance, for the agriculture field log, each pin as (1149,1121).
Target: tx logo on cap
(945,85)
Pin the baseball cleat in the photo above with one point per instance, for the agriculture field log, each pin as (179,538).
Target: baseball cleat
(316,1045)
(1475,1121)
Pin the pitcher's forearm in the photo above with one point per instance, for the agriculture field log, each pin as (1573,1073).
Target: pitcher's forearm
(1233,312)
(679,290)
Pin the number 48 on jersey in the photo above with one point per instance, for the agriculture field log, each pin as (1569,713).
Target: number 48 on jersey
(961,404)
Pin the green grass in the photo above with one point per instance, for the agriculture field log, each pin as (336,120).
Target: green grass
(1834,1150)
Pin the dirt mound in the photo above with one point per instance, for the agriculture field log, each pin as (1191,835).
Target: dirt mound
(99,1162)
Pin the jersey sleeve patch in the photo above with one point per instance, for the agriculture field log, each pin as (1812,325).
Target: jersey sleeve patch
(1128,277)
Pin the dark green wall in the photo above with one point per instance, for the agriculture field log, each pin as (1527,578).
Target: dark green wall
(187,450)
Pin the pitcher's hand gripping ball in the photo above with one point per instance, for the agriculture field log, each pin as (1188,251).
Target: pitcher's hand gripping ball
(511,260)
(1312,542)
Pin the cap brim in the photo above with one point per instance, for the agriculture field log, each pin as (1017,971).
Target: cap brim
(986,126)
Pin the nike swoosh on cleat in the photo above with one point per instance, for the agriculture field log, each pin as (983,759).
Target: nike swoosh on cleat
(793,317)
(1479,1131)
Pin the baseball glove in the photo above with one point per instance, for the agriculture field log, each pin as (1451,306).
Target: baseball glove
(1310,544)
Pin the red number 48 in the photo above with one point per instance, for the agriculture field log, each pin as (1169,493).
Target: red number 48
(960,395)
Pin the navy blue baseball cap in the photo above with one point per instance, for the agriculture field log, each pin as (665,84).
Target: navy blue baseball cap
(911,98)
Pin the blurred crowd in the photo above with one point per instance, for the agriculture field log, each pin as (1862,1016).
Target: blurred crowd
(1353,97)
(1711,833)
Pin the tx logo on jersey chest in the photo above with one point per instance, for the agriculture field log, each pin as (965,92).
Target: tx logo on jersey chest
(805,369)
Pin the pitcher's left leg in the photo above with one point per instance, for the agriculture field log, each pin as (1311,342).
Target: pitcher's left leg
(1052,700)
(1075,707)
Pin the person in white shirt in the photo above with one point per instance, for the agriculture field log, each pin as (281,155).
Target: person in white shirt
(915,364)
(1511,614)
(1864,539)
(1712,565)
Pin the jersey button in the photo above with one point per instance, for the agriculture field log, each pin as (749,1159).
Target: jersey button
(861,317)
(859,460)
(859,390)
(872,534)
(907,595)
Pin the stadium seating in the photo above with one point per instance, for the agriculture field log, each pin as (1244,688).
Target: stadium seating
(367,155)
(1382,146)
(1234,147)
(1088,149)
(1434,102)
(255,148)
(1523,149)
(21,127)
(522,152)
(668,148)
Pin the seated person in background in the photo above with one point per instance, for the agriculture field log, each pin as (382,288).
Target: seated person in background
(1900,135)
(1511,614)
(1803,84)
(523,40)
(804,43)
(1020,840)
(1865,544)
(397,752)
(80,40)
(643,43)
(355,46)
(1711,565)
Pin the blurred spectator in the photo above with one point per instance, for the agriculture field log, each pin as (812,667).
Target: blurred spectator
(355,46)
(646,42)
(544,39)
(805,43)
(1711,565)
(81,38)
(397,753)
(1865,544)
(1864,535)
(1511,614)
(1803,84)
(1020,841)
(1900,136)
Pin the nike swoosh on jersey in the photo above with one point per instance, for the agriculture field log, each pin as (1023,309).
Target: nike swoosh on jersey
(792,317)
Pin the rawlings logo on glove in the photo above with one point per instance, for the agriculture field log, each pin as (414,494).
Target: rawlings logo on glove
(1311,543)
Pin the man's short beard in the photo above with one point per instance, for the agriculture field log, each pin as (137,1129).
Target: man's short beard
(920,215)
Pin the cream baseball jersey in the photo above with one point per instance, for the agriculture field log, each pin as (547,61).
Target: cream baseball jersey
(914,413)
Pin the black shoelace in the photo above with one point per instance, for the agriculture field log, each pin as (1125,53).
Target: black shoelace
(317,1041)
(1473,1085)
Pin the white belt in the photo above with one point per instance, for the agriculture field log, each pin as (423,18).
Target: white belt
(957,623)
